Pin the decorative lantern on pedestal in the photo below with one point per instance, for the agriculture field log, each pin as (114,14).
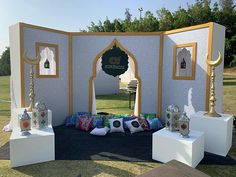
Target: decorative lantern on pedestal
(40,116)
(184,125)
(172,118)
(25,123)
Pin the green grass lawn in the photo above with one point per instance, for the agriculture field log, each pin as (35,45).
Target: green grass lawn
(105,168)
(116,104)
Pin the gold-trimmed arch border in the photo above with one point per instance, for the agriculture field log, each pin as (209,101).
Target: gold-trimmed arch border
(94,73)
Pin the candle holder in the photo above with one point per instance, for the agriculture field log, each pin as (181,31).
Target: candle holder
(25,123)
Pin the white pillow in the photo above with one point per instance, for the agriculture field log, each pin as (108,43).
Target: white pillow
(134,126)
(116,125)
(99,131)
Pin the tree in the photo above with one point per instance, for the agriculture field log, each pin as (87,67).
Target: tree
(166,20)
(5,68)
(200,12)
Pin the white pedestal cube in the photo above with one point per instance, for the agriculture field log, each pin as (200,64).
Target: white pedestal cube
(168,145)
(217,130)
(37,147)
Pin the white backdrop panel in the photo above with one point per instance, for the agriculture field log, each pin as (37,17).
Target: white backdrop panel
(189,95)
(53,91)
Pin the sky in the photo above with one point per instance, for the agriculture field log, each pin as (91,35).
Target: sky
(73,15)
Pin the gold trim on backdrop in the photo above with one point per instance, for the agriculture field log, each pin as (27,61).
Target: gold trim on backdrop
(159,99)
(70,75)
(55,46)
(116,33)
(114,42)
(22,65)
(193,62)
(43,28)
(210,41)
(189,28)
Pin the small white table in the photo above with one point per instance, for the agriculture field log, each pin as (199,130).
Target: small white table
(37,147)
(218,131)
(168,145)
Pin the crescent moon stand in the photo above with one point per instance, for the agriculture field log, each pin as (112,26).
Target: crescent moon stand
(212,112)
(31,62)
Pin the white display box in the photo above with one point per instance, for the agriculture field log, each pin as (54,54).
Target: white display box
(168,145)
(218,131)
(37,147)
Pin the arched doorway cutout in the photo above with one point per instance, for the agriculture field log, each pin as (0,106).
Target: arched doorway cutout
(94,73)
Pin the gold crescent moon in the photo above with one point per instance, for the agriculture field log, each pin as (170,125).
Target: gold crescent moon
(214,62)
(31,61)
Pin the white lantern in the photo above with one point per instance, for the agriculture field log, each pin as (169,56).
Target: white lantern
(184,125)
(40,116)
(172,117)
(25,123)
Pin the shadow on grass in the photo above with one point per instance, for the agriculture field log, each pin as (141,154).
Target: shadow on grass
(5,152)
(72,168)
(229,78)
(229,83)
(117,97)
(115,107)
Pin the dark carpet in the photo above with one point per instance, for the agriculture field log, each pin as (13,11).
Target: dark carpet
(73,144)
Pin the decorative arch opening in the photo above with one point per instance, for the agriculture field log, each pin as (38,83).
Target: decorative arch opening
(94,74)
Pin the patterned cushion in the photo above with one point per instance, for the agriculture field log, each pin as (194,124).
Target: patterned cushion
(154,124)
(84,124)
(134,126)
(143,123)
(97,122)
(116,125)
(71,120)
(99,131)
(106,120)
(125,119)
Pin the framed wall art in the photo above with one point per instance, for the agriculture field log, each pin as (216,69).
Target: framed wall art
(48,65)
(184,61)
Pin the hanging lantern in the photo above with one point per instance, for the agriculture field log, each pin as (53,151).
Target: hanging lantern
(25,123)
(46,64)
(40,116)
(172,117)
(184,125)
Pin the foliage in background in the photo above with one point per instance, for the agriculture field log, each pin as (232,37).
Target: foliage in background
(200,12)
(5,68)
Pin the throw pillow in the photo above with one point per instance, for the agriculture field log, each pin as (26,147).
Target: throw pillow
(134,126)
(154,124)
(84,124)
(99,131)
(143,123)
(116,125)
(97,122)
(125,119)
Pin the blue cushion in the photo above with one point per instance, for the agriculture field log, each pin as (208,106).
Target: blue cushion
(88,114)
(154,123)
(97,122)
(68,121)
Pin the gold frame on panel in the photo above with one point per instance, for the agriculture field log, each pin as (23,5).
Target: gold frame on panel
(94,73)
(194,47)
(55,46)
